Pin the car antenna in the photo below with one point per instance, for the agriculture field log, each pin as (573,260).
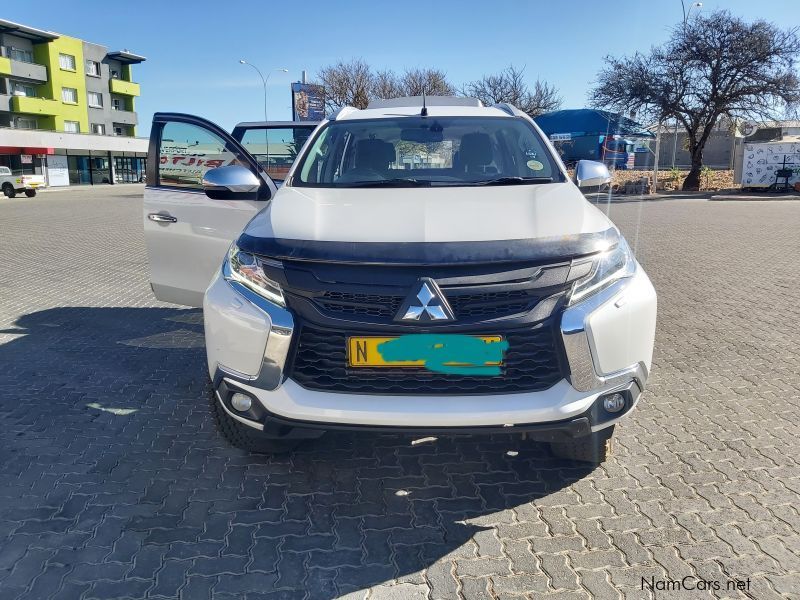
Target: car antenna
(424,111)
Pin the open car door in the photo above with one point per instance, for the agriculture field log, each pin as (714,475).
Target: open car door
(188,227)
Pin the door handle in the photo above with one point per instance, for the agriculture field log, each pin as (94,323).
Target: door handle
(159,218)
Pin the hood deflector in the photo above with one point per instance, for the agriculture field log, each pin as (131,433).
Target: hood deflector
(432,253)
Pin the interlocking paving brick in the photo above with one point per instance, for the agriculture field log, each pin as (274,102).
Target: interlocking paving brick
(151,501)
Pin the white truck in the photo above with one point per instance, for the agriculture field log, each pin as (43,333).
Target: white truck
(426,266)
(11,184)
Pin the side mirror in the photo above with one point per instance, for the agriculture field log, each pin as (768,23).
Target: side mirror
(590,173)
(233,182)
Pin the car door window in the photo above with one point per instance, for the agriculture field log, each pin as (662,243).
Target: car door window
(275,148)
(186,152)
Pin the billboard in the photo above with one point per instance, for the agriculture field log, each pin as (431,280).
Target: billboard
(308,102)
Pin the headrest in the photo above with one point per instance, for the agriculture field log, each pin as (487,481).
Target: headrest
(375,154)
(476,149)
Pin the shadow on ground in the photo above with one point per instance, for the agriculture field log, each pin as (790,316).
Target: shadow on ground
(117,483)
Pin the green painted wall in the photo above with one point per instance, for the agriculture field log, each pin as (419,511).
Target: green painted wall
(130,101)
(47,54)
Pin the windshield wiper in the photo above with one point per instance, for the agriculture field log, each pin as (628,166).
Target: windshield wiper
(398,182)
(514,181)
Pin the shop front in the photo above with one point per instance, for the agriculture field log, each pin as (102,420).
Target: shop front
(89,170)
(129,169)
(67,159)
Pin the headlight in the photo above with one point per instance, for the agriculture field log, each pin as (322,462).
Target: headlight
(610,266)
(246,269)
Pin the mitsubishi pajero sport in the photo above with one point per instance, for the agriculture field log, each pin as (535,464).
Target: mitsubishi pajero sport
(426,266)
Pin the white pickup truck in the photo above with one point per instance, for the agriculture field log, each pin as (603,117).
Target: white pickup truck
(12,184)
(426,266)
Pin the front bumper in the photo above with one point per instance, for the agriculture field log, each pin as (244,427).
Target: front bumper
(608,341)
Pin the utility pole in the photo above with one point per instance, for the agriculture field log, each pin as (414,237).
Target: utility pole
(675,144)
(657,156)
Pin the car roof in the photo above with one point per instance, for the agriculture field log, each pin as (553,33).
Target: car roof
(437,106)
(276,124)
(433,111)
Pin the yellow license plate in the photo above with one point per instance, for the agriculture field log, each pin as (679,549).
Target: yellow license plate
(363,352)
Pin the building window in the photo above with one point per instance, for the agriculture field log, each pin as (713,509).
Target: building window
(25,123)
(96,99)
(93,68)
(129,169)
(72,127)
(66,61)
(69,95)
(120,130)
(116,104)
(19,54)
(98,129)
(21,89)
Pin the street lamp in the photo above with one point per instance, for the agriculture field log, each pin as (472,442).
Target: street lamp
(264,80)
(687,13)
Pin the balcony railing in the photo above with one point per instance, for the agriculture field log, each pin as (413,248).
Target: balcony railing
(22,69)
(35,106)
(126,88)
(124,117)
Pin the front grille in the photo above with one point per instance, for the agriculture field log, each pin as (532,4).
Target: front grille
(491,304)
(320,363)
(373,305)
(471,305)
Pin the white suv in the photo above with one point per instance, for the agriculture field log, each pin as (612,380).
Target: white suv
(427,266)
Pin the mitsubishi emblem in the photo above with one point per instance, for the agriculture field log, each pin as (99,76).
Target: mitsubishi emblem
(426,303)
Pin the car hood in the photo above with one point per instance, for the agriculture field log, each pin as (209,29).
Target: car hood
(457,214)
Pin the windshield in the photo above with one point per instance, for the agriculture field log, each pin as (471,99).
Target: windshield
(426,151)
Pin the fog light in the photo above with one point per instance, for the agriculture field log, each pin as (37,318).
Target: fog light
(241,402)
(614,403)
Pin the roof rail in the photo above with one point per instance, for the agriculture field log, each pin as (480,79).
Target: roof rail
(341,112)
(429,101)
(510,109)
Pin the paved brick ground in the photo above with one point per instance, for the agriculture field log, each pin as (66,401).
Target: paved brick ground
(114,484)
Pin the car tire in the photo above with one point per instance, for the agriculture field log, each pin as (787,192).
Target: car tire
(30,193)
(244,437)
(594,448)
(9,190)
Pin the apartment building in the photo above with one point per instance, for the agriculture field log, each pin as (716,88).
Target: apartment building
(68,108)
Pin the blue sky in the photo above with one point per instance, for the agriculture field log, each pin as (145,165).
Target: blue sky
(193,46)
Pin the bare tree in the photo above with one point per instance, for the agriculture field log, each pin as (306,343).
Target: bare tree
(509,86)
(354,84)
(713,66)
(431,82)
(347,84)
(385,84)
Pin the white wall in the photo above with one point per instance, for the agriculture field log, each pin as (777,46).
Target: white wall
(57,170)
(25,138)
